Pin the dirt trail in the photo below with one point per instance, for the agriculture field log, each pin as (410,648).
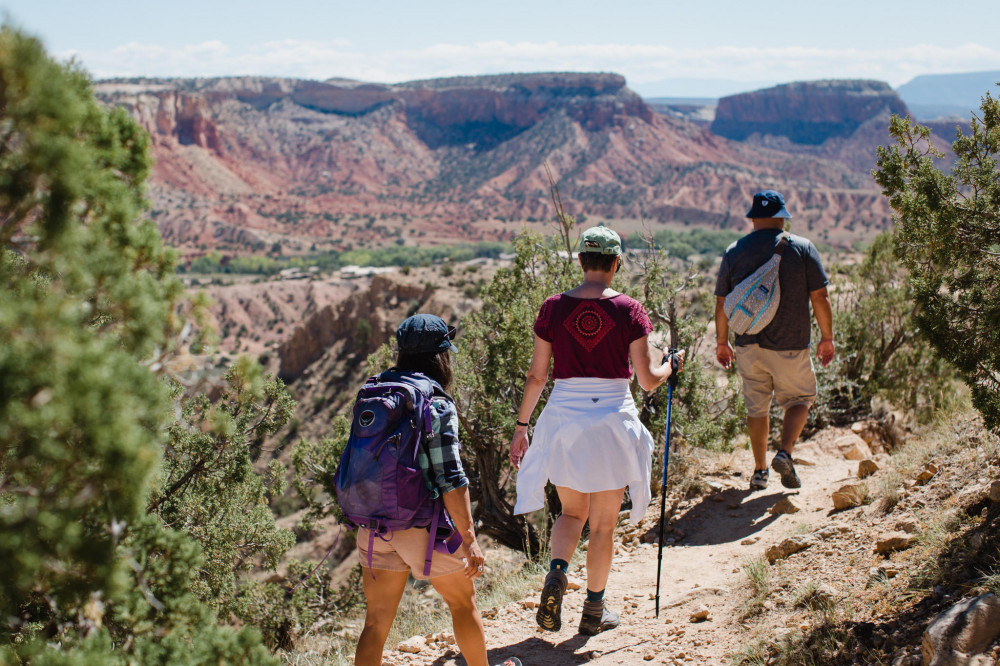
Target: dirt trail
(711,539)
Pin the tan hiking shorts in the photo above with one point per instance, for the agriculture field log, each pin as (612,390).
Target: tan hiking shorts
(787,375)
(405,550)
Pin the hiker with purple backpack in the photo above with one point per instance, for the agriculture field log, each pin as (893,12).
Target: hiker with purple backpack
(401,482)
(588,441)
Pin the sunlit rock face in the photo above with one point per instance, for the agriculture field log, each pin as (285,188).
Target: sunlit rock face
(806,112)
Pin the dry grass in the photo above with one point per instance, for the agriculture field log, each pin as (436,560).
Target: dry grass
(320,651)
(758,573)
(806,596)
(416,617)
(800,528)
(828,634)
(890,490)
(813,647)
(685,474)
(512,585)
(990,582)
(755,652)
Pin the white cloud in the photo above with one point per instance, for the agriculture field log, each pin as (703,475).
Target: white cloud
(640,63)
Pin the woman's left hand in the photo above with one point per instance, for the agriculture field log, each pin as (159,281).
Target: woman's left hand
(518,446)
(680,360)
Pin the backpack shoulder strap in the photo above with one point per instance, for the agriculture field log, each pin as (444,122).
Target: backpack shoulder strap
(783,242)
(416,379)
(441,393)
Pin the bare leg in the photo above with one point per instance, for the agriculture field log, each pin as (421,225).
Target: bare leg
(569,525)
(758,428)
(383,595)
(459,593)
(795,421)
(604,508)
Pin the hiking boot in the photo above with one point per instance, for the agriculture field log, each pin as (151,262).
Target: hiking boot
(759,480)
(550,607)
(597,618)
(782,464)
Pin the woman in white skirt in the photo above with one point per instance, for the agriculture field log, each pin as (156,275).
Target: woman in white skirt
(588,441)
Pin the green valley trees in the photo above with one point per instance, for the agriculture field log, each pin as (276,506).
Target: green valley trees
(947,235)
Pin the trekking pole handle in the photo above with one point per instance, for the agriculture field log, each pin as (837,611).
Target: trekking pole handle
(675,365)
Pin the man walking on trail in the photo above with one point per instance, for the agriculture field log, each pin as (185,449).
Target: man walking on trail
(776,361)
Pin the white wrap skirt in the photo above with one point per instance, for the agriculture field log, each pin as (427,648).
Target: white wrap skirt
(588,438)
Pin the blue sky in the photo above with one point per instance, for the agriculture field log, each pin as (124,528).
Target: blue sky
(690,45)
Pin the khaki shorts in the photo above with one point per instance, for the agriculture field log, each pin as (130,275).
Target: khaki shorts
(788,375)
(406,550)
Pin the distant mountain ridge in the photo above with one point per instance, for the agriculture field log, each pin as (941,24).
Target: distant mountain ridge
(251,164)
(939,95)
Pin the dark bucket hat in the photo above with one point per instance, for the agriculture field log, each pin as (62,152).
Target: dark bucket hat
(768,204)
(425,334)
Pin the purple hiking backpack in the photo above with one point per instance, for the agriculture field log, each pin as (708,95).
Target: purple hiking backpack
(379,483)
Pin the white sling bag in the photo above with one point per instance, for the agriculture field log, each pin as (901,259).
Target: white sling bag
(751,305)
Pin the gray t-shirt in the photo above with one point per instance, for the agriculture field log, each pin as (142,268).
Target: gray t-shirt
(800,273)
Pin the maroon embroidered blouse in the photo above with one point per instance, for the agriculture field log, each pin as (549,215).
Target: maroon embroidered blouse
(590,336)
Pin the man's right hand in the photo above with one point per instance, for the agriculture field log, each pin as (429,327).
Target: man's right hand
(724,355)
(825,351)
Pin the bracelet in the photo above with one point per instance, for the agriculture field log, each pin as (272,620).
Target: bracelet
(524,425)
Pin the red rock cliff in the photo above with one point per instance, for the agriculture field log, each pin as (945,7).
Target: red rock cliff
(806,112)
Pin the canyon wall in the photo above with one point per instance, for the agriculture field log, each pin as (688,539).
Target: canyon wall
(246,164)
(806,112)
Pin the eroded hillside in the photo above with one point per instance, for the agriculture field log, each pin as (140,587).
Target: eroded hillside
(244,163)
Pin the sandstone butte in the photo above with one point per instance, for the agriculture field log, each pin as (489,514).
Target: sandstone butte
(242,163)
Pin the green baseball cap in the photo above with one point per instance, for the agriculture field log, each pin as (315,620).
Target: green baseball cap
(602,240)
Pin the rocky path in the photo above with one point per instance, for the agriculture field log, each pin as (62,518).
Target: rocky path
(709,541)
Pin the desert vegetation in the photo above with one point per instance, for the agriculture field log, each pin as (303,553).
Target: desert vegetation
(216,262)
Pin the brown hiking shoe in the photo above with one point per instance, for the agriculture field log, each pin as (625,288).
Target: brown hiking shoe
(550,606)
(597,618)
(782,464)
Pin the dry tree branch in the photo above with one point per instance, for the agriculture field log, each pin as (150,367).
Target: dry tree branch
(565,222)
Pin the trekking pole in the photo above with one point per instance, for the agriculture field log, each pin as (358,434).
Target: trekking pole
(671,383)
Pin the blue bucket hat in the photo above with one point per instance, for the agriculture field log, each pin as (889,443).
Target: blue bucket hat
(425,334)
(768,204)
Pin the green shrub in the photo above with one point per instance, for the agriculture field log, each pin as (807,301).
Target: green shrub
(879,349)
(89,314)
(946,237)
